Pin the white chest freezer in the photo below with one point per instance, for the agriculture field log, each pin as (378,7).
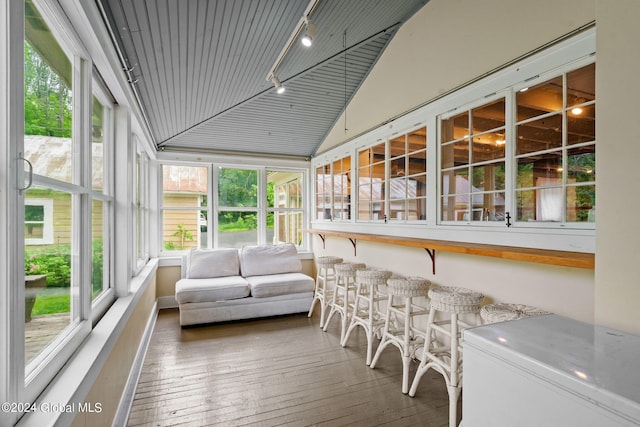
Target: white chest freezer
(550,371)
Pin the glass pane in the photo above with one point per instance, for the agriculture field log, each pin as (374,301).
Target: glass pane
(203,226)
(237,229)
(183,185)
(581,124)
(397,146)
(489,146)
(397,167)
(540,99)
(540,171)
(581,85)
(364,157)
(581,164)
(489,177)
(378,153)
(417,209)
(181,229)
(488,207)
(456,208)
(455,181)
(455,154)
(397,188)
(323,195)
(287,228)
(47,270)
(97,147)
(417,140)
(488,117)
(237,187)
(397,210)
(417,162)
(545,204)
(48,101)
(539,135)
(98,251)
(456,127)
(581,203)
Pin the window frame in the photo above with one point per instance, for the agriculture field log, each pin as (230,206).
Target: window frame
(571,53)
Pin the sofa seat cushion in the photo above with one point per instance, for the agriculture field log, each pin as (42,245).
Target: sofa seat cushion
(214,289)
(280,284)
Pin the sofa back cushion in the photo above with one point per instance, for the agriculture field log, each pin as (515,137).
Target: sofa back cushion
(209,263)
(269,259)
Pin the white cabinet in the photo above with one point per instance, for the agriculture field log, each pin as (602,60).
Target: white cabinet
(550,371)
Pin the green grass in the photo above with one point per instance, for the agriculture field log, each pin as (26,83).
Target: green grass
(51,304)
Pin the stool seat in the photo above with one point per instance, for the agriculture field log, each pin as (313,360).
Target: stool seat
(328,261)
(501,312)
(455,300)
(408,286)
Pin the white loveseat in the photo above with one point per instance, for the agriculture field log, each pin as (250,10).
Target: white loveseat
(228,284)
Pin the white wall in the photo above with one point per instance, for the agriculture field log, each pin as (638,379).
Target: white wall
(448,43)
(617,292)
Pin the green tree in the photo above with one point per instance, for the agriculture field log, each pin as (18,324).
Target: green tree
(47,98)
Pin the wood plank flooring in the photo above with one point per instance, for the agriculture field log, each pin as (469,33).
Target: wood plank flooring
(274,372)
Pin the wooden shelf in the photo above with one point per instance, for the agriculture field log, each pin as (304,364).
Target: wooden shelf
(542,256)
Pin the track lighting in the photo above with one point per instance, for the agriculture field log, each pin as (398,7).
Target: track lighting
(277,84)
(309,34)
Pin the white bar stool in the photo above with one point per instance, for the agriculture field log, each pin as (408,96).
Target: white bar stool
(325,273)
(502,312)
(365,311)
(399,328)
(345,285)
(447,359)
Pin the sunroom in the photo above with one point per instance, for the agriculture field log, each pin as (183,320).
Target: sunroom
(452,141)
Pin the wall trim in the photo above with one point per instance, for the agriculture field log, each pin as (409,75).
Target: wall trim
(124,407)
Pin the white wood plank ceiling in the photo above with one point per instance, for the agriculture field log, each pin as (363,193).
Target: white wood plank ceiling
(199,68)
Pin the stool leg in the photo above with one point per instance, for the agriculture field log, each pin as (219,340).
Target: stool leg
(454,388)
(406,359)
(385,341)
(333,304)
(352,323)
(425,349)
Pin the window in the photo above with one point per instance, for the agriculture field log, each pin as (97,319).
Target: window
(371,183)
(184,195)
(555,149)
(237,207)
(63,214)
(393,187)
(38,221)
(552,154)
(141,206)
(408,176)
(102,195)
(215,206)
(472,161)
(285,207)
(333,190)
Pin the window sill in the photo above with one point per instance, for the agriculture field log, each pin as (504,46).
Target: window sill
(74,381)
(542,256)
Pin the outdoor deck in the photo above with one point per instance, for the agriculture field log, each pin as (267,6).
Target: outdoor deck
(41,330)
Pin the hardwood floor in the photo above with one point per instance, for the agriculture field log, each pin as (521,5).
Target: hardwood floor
(272,372)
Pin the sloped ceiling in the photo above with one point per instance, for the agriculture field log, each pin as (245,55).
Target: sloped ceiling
(200,67)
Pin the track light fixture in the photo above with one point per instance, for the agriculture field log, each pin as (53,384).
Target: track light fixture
(277,84)
(310,32)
